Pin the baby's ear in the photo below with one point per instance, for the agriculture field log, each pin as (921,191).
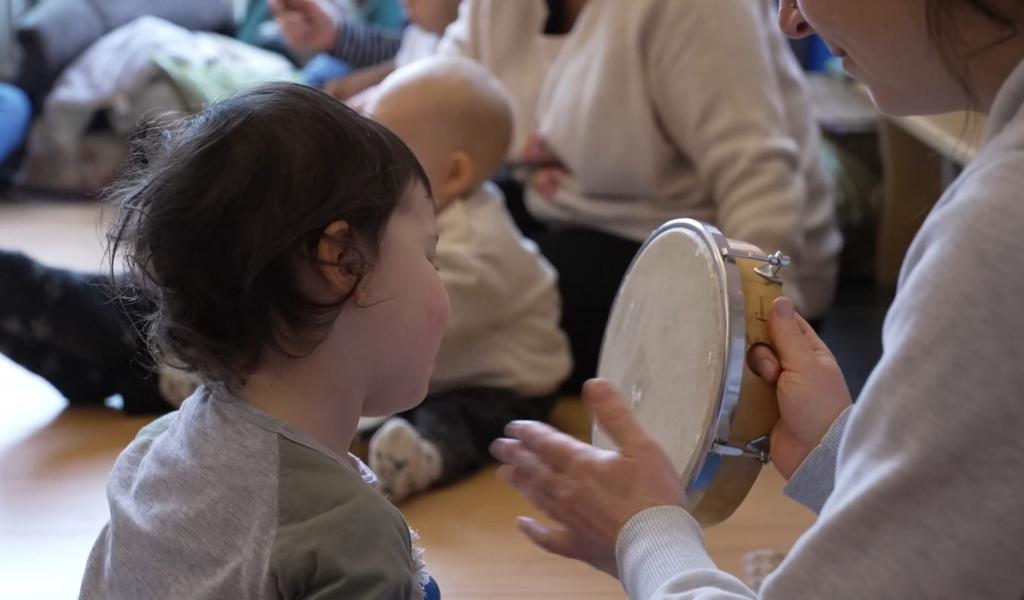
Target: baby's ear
(338,260)
(459,174)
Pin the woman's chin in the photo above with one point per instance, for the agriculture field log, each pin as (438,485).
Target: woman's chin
(901,103)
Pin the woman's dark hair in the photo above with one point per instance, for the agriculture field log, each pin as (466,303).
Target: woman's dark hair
(214,212)
(943,19)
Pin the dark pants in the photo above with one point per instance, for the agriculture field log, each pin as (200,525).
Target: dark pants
(65,327)
(463,423)
(591,266)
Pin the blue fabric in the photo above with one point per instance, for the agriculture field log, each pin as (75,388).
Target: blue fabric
(15,114)
(813,54)
(322,69)
(386,13)
(707,474)
(431,591)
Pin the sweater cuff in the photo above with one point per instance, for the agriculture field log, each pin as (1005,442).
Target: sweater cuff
(656,545)
(361,45)
(812,483)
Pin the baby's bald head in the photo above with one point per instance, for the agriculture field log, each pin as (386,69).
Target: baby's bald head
(443,105)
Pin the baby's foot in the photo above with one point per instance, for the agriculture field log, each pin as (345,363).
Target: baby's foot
(405,462)
(759,564)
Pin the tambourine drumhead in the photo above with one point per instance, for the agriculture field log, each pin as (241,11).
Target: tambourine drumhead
(667,344)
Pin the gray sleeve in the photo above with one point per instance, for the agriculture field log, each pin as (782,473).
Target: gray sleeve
(662,549)
(660,554)
(927,484)
(363,45)
(336,536)
(812,483)
(928,474)
(157,426)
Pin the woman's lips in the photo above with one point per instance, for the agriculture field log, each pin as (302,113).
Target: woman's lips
(837,51)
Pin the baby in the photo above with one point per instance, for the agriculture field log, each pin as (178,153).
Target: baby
(503,355)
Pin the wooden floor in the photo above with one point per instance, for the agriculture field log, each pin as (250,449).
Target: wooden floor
(54,461)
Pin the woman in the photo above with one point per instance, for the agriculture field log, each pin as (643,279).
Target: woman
(633,113)
(919,484)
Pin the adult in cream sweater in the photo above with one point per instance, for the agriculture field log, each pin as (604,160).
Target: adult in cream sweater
(654,110)
(918,485)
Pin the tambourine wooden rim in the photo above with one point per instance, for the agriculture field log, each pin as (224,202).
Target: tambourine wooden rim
(730,463)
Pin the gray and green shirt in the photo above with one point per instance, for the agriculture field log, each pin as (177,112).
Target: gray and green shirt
(220,500)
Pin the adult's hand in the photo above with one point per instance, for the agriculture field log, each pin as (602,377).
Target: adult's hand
(810,386)
(591,493)
(307,25)
(548,168)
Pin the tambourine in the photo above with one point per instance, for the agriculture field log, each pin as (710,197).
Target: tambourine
(690,306)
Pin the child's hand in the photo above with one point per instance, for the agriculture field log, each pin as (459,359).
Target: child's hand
(810,386)
(307,25)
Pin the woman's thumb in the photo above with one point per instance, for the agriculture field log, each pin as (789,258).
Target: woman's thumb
(788,340)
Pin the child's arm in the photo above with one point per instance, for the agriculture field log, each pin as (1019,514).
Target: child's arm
(364,45)
(344,88)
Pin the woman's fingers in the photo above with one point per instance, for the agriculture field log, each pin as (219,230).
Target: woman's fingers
(556,541)
(764,363)
(813,340)
(556,449)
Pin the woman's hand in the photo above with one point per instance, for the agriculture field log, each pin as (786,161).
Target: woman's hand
(307,25)
(591,493)
(548,167)
(810,386)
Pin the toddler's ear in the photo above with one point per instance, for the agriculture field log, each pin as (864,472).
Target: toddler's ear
(338,260)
